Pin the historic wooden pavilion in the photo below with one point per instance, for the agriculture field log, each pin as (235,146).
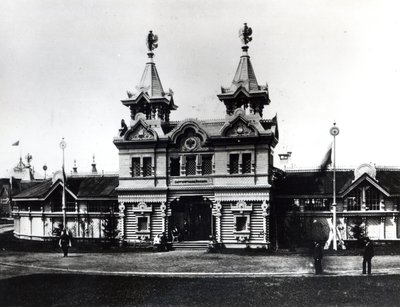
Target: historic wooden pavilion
(205,177)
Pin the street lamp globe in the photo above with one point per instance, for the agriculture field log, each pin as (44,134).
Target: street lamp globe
(63,144)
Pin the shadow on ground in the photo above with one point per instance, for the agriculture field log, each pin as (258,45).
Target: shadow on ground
(90,290)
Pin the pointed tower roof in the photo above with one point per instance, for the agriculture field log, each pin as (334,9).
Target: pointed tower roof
(245,75)
(150,97)
(150,82)
(245,89)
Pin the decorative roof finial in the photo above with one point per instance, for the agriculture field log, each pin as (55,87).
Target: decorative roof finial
(245,34)
(151,43)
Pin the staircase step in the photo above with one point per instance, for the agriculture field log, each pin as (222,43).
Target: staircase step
(190,245)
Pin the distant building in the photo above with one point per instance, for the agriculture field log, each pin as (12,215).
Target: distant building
(38,212)
(22,177)
(368,199)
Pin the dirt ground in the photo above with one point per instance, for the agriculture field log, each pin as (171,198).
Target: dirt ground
(36,274)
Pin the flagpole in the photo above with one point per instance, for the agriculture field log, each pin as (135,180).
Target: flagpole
(334,132)
(63,144)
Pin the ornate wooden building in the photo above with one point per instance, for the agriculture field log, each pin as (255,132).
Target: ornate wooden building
(205,177)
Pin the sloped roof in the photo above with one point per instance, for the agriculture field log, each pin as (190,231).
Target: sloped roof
(245,76)
(315,182)
(37,191)
(389,179)
(92,186)
(312,182)
(150,81)
(98,187)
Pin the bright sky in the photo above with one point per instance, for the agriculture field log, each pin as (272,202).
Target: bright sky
(65,66)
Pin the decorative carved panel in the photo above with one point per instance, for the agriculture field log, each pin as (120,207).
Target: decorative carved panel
(240,129)
(140,133)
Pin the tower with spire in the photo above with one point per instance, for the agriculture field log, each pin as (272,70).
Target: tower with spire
(150,97)
(204,177)
(245,92)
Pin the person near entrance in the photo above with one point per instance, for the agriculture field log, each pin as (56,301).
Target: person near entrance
(368,254)
(175,235)
(157,243)
(185,230)
(65,242)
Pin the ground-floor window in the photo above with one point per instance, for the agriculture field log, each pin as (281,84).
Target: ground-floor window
(142,223)
(241,223)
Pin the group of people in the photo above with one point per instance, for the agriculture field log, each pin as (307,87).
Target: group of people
(367,256)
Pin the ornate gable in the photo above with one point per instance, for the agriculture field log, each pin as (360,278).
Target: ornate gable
(239,127)
(140,132)
(189,136)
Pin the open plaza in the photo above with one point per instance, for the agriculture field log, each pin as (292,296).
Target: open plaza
(36,273)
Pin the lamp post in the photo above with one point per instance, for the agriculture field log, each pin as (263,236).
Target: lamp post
(63,145)
(334,131)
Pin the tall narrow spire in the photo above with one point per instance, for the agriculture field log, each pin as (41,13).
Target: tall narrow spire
(245,92)
(150,98)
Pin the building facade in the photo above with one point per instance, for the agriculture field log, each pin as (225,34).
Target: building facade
(204,177)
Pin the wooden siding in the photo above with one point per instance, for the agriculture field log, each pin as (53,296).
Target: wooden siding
(227,223)
(156,221)
(130,223)
(256,224)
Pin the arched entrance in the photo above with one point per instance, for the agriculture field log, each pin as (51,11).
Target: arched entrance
(192,216)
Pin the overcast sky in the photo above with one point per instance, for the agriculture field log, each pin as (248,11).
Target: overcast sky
(65,66)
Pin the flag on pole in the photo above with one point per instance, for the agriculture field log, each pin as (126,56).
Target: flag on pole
(327,160)
(15,144)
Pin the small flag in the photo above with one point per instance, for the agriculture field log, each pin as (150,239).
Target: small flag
(15,144)
(327,160)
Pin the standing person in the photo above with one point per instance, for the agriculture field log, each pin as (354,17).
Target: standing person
(368,254)
(65,242)
(164,242)
(185,230)
(157,243)
(317,253)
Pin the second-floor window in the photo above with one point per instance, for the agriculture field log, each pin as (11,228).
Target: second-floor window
(147,167)
(141,167)
(206,165)
(135,167)
(234,164)
(246,163)
(175,167)
(190,165)
(240,163)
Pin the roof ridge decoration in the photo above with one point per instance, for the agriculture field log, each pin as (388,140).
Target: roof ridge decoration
(365,168)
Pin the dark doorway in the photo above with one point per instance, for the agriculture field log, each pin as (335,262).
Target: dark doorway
(192,216)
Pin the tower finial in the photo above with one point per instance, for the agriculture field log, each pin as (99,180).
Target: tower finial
(152,43)
(245,34)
